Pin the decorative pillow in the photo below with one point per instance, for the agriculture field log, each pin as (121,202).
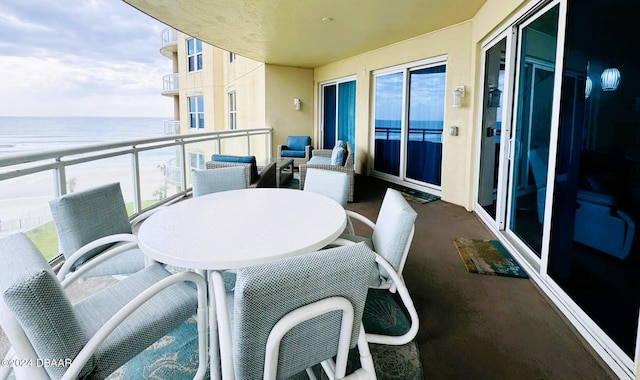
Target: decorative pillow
(241,159)
(338,154)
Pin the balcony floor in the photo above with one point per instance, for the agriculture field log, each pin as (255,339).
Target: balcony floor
(472,326)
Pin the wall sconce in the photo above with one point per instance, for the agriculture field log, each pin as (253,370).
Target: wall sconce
(458,94)
(610,79)
(494,97)
(296,104)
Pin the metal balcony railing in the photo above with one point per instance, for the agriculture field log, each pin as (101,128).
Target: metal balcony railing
(151,172)
(169,36)
(171,127)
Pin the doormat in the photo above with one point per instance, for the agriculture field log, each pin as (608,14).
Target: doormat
(488,257)
(418,196)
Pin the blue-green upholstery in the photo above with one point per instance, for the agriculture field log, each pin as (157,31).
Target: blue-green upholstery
(34,295)
(58,330)
(215,180)
(239,159)
(84,216)
(296,146)
(264,294)
(332,184)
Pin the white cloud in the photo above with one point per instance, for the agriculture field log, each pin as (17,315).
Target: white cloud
(101,60)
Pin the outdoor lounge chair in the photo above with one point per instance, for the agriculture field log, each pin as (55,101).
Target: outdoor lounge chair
(298,148)
(265,177)
(291,314)
(339,159)
(90,339)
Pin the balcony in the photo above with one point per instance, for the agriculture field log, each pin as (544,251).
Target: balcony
(171,127)
(170,84)
(169,42)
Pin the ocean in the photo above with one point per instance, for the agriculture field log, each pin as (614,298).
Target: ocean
(24,200)
(33,134)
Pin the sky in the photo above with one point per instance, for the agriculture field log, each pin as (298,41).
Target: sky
(80,58)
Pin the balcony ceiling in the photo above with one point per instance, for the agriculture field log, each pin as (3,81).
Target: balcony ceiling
(293,33)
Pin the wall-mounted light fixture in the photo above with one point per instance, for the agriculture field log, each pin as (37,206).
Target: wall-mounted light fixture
(458,94)
(610,79)
(296,104)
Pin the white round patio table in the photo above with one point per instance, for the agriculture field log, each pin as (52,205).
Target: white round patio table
(235,229)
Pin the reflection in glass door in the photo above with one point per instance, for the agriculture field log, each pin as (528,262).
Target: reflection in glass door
(529,151)
(490,138)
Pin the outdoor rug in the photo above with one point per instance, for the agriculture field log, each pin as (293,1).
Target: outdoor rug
(417,196)
(488,257)
(175,356)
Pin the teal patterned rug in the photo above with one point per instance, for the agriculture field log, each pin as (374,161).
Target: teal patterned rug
(488,257)
(175,356)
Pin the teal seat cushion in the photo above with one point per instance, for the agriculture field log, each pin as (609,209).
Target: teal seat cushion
(298,143)
(240,159)
(292,153)
(37,301)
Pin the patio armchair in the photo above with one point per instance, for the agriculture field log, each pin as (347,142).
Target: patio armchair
(391,238)
(291,314)
(92,338)
(93,221)
(332,184)
(215,180)
(265,177)
(339,159)
(298,148)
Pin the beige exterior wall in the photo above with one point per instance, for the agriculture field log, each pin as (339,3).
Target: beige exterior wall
(456,160)
(283,84)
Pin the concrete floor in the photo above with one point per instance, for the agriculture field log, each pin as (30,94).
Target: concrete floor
(478,326)
(474,326)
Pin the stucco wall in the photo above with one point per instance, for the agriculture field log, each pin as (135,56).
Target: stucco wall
(283,84)
(455,44)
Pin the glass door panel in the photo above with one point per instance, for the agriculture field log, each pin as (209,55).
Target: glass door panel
(426,122)
(329,116)
(388,122)
(490,138)
(530,137)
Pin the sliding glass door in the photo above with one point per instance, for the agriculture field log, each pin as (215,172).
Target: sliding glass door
(408,123)
(338,118)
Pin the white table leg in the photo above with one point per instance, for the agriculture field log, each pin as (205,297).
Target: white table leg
(214,354)
(224,330)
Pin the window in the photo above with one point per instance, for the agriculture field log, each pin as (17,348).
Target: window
(196,112)
(233,121)
(197,161)
(194,55)
(232,57)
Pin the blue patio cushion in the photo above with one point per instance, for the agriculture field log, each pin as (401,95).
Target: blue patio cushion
(292,153)
(85,216)
(338,154)
(215,180)
(37,301)
(157,317)
(298,143)
(241,159)
(393,228)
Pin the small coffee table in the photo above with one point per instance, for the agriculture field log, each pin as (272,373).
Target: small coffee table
(284,169)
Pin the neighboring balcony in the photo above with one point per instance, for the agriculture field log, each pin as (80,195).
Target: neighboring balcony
(169,42)
(170,85)
(171,127)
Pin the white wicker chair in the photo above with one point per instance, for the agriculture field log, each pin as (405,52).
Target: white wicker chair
(323,162)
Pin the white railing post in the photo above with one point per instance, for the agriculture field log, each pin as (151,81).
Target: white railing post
(137,194)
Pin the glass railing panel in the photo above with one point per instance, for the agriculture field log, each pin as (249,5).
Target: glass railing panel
(24,207)
(160,175)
